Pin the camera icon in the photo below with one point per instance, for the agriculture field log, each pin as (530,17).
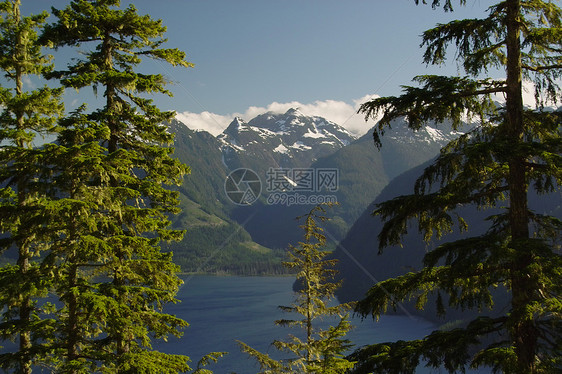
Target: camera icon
(242,186)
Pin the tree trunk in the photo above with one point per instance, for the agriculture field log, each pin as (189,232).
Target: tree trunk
(73,333)
(25,307)
(122,344)
(25,316)
(524,333)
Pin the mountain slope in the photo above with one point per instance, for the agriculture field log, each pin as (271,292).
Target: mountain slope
(281,142)
(201,152)
(363,171)
(213,241)
(361,266)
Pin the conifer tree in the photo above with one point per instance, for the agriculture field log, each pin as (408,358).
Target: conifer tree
(512,151)
(24,193)
(112,276)
(322,350)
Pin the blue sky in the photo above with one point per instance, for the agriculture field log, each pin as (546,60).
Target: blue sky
(325,56)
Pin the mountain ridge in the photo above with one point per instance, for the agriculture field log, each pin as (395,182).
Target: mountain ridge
(363,171)
(282,140)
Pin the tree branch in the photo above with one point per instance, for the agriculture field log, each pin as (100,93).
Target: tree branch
(542,68)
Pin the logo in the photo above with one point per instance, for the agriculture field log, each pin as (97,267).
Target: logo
(302,180)
(296,186)
(242,186)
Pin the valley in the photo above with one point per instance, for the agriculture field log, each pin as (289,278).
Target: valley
(228,238)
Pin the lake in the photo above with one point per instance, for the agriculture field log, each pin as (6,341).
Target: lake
(221,310)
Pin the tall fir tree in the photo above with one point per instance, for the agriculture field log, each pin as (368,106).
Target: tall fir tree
(113,278)
(322,350)
(25,190)
(512,149)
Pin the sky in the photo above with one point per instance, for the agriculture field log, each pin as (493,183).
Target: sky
(324,56)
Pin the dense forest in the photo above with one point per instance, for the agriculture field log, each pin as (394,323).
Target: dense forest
(91,226)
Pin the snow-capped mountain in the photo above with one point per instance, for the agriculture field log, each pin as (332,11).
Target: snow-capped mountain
(439,134)
(363,171)
(281,140)
(402,148)
(288,140)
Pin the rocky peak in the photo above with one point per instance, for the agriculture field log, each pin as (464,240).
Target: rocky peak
(289,138)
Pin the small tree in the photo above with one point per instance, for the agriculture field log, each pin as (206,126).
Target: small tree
(511,151)
(322,351)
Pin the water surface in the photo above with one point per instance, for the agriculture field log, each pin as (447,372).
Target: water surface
(221,310)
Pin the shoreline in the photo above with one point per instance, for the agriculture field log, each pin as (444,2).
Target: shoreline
(226,274)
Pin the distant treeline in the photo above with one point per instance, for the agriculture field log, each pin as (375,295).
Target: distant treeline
(260,268)
(225,249)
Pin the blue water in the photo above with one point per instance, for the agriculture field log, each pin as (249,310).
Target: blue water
(221,310)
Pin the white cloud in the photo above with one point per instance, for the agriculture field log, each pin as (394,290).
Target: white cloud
(211,122)
(29,84)
(528,96)
(340,112)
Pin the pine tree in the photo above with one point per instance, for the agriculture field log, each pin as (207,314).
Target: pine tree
(112,277)
(24,196)
(512,149)
(322,350)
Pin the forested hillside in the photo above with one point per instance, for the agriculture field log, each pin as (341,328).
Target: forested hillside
(260,232)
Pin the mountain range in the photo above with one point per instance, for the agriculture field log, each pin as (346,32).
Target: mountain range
(225,236)
(290,155)
(289,140)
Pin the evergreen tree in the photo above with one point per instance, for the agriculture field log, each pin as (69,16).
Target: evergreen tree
(24,192)
(112,277)
(322,350)
(509,152)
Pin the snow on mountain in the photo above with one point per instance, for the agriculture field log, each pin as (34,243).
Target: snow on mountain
(429,134)
(291,139)
(281,149)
